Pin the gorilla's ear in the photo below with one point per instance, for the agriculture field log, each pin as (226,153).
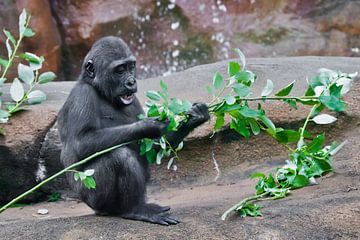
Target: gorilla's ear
(89,68)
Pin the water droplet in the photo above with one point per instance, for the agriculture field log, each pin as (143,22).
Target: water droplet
(175,53)
(175,25)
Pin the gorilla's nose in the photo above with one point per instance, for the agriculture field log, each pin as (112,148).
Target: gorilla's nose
(130,84)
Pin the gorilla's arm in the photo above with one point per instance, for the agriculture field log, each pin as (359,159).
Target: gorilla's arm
(88,137)
(198,114)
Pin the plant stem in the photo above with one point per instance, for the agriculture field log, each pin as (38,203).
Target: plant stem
(212,105)
(3,208)
(16,47)
(172,149)
(242,203)
(220,92)
(305,124)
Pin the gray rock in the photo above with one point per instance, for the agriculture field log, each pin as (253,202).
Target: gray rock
(31,149)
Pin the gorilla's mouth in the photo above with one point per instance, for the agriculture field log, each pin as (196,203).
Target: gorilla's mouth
(127,99)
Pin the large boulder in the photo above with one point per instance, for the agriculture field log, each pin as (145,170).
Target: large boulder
(30,151)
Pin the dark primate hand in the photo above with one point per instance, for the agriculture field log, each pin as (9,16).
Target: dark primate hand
(154,128)
(198,114)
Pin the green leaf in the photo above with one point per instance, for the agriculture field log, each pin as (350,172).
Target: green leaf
(319,167)
(151,156)
(4,114)
(153,111)
(268,123)
(2,131)
(82,176)
(324,119)
(30,57)
(333,103)
(249,113)
(89,172)
(291,102)
(309,92)
(10,36)
(316,144)
(286,90)
(17,90)
(159,156)
(233,68)
(257,175)
(172,125)
(250,209)
(219,121)
(170,163)
(36,96)
(242,58)
(26,73)
(89,182)
(29,32)
(180,146)
(268,88)
(245,77)
(287,136)
(217,80)
(22,22)
(76,176)
(153,95)
(3,62)
(162,143)
(8,48)
(335,148)
(241,90)
(211,90)
(230,100)
(300,181)
(240,127)
(254,126)
(163,86)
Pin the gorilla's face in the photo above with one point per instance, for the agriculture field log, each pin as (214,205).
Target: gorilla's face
(123,74)
(111,68)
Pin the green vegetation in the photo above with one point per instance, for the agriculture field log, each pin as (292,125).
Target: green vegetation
(28,74)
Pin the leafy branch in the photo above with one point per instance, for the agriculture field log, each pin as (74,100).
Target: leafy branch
(28,74)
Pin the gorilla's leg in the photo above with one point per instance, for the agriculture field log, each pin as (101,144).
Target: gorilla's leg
(120,190)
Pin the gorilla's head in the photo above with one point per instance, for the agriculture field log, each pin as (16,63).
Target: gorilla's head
(110,68)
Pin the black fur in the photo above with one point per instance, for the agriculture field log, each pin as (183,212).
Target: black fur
(94,118)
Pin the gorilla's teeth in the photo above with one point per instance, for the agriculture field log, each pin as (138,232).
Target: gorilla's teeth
(127,99)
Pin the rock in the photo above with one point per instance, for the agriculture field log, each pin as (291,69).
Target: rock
(31,149)
(42,211)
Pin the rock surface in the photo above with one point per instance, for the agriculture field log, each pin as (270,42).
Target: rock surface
(168,36)
(329,210)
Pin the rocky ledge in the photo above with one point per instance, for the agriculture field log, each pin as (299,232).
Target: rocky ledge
(31,150)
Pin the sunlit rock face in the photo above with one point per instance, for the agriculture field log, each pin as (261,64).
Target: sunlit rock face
(171,35)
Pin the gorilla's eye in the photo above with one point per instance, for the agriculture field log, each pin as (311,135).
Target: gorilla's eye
(89,67)
(120,69)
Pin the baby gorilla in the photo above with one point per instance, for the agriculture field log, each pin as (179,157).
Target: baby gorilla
(102,111)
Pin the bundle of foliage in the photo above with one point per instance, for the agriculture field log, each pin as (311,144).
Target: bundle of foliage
(308,157)
(28,74)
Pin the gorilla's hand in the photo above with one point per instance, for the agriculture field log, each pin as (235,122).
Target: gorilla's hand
(198,114)
(153,128)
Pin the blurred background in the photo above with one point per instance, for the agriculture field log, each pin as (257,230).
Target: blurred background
(171,35)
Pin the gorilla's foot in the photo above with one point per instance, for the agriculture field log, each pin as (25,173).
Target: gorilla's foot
(157,208)
(147,214)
